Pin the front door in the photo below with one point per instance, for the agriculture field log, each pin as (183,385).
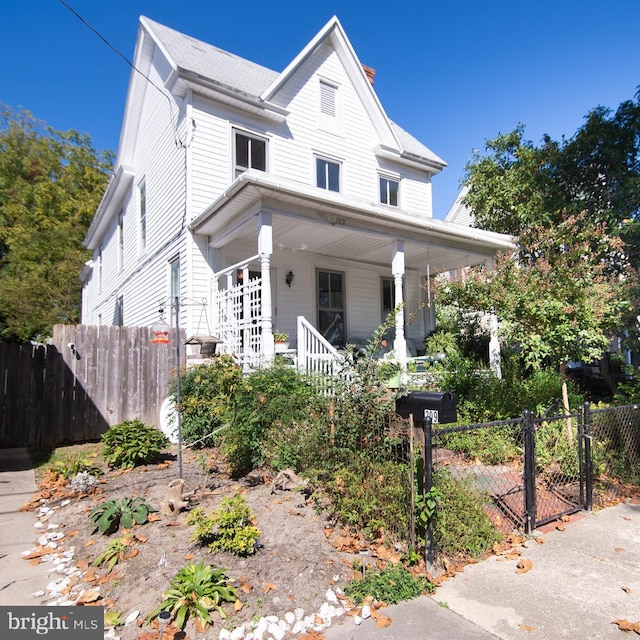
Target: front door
(331,306)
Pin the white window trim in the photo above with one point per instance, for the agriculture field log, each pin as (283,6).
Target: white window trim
(249,134)
(332,160)
(392,178)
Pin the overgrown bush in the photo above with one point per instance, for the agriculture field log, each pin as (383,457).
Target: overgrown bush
(272,399)
(371,497)
(208,395)
(462,527)
(132,443)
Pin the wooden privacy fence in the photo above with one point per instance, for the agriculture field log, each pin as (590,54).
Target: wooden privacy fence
(86,380)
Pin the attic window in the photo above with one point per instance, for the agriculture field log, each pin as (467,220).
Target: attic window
(329,117)
(327,99)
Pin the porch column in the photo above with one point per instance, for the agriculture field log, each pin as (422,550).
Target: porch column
(494,346)
(265,249)
(397,269)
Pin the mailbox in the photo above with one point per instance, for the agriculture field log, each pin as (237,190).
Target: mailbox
(440,407)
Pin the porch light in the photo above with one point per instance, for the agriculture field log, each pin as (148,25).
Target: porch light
(289,278)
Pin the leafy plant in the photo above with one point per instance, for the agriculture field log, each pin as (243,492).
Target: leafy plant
(391,585)
(208,397)
(229,528)
(111,514)
(132,443)
(113,618)
(196,590)
(114,552)
(462,528)
(67,467)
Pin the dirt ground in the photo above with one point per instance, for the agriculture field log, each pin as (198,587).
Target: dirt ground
(294,567)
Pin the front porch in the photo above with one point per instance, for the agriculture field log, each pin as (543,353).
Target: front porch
(324,269)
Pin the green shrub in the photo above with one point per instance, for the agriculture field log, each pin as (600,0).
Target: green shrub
(371,497)
(270,399)
(228,528)
(195,591)
(490,445)
(208,395)
(391,585)
(462,528)
(113,513)
(132,443)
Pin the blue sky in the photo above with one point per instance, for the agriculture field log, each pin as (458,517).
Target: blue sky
(453,73)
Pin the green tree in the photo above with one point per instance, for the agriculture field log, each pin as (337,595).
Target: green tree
(573,207)
(51,183)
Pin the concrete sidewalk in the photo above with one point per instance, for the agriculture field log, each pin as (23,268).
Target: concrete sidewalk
(18,579)
(581,580)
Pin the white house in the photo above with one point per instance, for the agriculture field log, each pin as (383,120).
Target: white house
(265,200)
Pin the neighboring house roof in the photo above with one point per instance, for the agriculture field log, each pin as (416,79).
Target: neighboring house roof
(459,212)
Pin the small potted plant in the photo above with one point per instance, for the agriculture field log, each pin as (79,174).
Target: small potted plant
(281,340)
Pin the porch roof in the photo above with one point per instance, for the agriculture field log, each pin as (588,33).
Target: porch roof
(315,221)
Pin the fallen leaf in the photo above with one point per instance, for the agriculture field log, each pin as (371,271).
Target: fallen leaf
(140,538)
(269,587)
(328,532)
(524,565)
(92,595)
(189,556)
(383,621)
(526,627)
(618,549)
(565,518)
(541,540)
(237,605)
(625,625)
(89,543)
(626,590)
(154,517)
(560,527)
(70,534)
(35,561)
(244,586)
(173,523)
(132,554)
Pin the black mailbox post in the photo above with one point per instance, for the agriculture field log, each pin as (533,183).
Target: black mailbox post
(439,406)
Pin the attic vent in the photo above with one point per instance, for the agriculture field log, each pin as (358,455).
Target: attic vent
(327,99)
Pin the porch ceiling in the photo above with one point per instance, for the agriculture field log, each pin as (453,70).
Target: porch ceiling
(317,222)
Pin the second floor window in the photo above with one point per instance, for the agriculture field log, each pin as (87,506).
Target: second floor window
(389,191)
(327,174)
(250,153)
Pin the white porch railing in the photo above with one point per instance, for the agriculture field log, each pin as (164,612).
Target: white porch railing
(237,312)
(319,358)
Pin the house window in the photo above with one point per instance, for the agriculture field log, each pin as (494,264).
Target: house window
(389,191)
(331,306)
(328,174)
(387,296)
(174,285)
(118,316)
(121,241)
(250,152)
(142,197)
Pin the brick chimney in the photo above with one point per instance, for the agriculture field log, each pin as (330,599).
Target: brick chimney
(371,73)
